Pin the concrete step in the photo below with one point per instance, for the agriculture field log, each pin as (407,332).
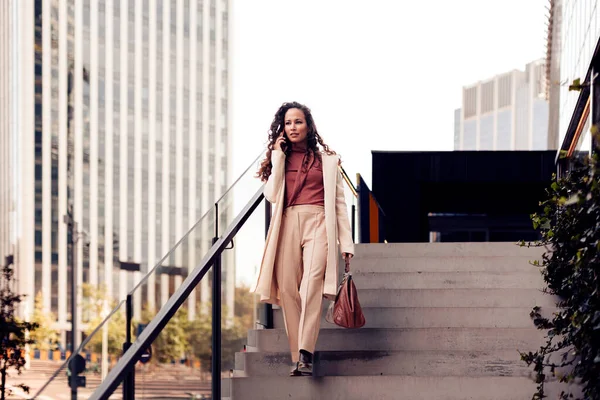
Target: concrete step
(381,388)
(454,298)
(409,363)
(448,280)
(473,249)
(435,317)
(360,263)
(424,339)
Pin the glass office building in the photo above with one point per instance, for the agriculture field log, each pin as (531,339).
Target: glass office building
(578,34)
(118,110)
(506,112)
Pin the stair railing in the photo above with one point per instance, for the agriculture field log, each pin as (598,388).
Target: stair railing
(122,315)
(125,365)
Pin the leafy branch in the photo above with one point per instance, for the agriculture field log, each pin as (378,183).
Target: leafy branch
(14,333)
(569,223)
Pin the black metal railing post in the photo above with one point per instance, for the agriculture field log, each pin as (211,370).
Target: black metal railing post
(74,329)
(266,319)
(216,316)
(129,381)
(595,108)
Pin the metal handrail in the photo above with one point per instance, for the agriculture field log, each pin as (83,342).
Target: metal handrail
(146,277)
(156,325)
(348,181)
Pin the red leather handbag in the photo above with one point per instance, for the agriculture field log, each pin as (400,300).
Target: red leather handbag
(345,311)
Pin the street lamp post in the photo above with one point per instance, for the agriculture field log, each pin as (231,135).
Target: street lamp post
(74,238)
(72,228)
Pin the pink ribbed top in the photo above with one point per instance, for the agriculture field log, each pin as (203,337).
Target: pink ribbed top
(303,178)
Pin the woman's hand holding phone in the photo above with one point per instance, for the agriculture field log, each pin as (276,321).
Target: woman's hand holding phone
(280,142)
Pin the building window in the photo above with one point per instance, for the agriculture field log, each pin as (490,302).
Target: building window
(470,101)
(487,97)
(470,135)
(505,91)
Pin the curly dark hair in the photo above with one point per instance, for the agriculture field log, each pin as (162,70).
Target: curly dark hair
(313,139)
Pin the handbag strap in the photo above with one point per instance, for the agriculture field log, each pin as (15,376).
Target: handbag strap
(349,296)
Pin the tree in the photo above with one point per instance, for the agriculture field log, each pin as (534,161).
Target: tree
(182,338)
(232,335)
(94,301)
(14,333)
(172,342)
(45,337)
(200,338)
(244,307)
(94,309)
(569,223)
(116,333)
(232,341)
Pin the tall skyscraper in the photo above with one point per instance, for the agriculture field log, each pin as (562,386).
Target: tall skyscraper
(120,109)
(506,112)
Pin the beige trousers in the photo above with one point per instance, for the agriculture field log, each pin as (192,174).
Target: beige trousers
(300,272)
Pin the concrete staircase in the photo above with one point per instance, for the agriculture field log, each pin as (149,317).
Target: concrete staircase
(444,321)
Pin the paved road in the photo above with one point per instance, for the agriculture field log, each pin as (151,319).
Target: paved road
(152,382)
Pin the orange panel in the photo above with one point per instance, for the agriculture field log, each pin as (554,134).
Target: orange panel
(579,130)
(373,220)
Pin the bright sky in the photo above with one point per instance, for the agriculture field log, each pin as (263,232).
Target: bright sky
(377,74)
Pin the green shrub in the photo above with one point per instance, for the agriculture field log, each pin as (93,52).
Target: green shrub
(569,222)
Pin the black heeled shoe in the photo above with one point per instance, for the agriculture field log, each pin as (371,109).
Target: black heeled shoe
(305,365)
(294,371)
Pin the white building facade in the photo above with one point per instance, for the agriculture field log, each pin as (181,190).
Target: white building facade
(119,108)
(577,38)
(506,112)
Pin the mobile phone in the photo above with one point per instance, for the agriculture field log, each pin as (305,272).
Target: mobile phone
(284,145)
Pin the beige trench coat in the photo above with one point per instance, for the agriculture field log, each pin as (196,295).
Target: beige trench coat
(336,223)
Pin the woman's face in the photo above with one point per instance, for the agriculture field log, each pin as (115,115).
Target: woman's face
(295,125)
